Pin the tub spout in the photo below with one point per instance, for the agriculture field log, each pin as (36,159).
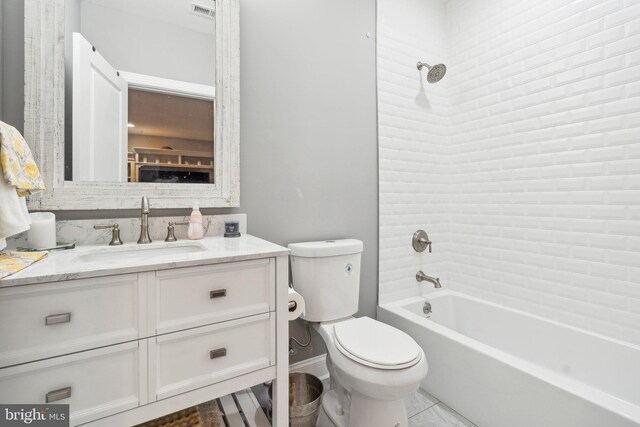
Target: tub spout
(421,277)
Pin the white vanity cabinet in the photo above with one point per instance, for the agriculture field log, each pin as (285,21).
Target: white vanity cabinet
(53,319)
(126,348)
(95,383)
(189,359)
(214,293)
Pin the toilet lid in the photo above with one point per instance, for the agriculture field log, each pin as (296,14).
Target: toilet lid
(376,344)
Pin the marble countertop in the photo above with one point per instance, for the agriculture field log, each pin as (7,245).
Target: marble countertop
(77,263)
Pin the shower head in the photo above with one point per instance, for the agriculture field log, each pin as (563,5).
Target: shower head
(436,72)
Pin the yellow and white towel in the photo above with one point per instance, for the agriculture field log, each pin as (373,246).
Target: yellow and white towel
(18,166)
(12,262)
(14,217)
(19,176)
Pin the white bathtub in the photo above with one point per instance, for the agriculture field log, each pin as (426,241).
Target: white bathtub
(505,368)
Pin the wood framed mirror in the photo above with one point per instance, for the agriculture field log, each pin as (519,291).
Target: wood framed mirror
(106,132)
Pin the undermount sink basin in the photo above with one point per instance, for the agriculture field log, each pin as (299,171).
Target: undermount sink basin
(110,254)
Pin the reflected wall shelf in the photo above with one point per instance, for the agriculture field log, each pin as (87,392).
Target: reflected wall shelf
(168,159)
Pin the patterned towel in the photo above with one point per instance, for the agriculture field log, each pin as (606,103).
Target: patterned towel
(12,262)
(18,167)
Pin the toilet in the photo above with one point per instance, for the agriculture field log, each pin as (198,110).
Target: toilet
(372,366)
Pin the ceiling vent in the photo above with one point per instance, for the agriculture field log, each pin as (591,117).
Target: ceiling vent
(203,10)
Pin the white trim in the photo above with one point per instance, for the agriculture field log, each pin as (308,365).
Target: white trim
(174,87)
(315,366)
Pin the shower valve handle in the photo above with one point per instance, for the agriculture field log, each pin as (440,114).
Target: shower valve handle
(420,241)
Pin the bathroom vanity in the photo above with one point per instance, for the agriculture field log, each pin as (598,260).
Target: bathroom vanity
(130,333)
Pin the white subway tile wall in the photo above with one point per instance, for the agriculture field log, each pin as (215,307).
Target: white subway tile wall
(414,123)
(523,163)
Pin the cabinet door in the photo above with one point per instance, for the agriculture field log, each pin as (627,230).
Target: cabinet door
(194,358)
(198,296)
(94,383)
(52,319)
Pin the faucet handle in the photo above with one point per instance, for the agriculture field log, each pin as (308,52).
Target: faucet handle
(420,241)
(115,233)
(171,235)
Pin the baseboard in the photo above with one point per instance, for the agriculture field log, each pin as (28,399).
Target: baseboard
(315,366)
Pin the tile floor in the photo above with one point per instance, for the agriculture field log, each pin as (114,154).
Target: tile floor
(423,410)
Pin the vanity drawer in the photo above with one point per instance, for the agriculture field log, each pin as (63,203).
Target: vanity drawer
(52,319)
(95,383)
(198,296)
(198,357)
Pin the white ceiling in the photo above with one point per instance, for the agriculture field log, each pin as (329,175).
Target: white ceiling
(176,12)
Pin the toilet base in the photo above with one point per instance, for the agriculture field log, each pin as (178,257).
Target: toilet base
(365,412)
(330,405)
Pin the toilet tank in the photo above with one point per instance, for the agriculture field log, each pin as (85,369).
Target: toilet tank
(327,275)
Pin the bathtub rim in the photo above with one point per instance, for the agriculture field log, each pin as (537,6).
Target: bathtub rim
(592,394)
(447,292)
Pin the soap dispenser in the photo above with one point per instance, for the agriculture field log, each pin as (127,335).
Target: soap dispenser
(196,229)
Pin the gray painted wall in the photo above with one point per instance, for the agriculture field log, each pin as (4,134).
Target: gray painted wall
(13,63)
(72,24)
(309,133)
(308,130)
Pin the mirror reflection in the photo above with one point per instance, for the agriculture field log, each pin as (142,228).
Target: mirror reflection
(140,90)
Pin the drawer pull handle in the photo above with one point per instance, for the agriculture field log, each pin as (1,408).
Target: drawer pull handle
(57,318)
(219,352)
(55,395)
(218,293)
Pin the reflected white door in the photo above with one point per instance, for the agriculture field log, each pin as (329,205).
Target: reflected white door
(99,117)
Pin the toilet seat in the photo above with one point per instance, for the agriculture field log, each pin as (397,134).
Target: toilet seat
(375,344)
(375,381)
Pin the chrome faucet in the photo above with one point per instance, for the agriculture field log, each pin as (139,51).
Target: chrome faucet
(144,221)
(421,277)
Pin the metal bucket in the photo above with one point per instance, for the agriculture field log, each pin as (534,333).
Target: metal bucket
(305,396)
